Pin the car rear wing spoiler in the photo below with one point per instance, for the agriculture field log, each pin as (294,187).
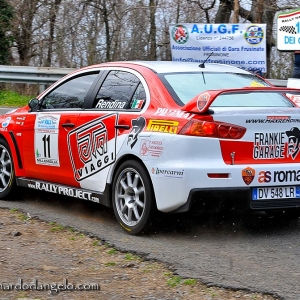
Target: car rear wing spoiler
(202,102)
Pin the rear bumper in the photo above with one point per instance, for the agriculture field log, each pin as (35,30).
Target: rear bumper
(240,199)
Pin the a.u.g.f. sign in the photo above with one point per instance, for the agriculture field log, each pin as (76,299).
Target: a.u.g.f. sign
(288,30)
(241,45)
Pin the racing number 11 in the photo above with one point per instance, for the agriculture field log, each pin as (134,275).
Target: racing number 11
(46,140)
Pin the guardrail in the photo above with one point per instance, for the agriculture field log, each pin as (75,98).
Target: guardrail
(278,82)
(44,76)
(33,75)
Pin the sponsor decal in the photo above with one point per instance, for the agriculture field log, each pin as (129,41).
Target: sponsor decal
(110,104)
(180,34)
(5,123)
(20,120)
(168,173)
(46,140)
(137,126)
(174,113)
(63,190)
(248,175)
(277,145)
(202,100)
(269,145)
(254,34)
(278,117)
(137,104)
(163,126)
(92,146)
(151,148)
(294,98)
(293,142)
(288,176)
(273,120)
(47,122)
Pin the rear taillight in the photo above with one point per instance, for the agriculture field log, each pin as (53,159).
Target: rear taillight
(213,129)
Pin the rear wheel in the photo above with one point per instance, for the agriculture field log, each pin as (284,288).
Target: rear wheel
(133,197)
(7,174)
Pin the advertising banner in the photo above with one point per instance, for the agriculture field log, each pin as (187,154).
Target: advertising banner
(240,45)
(288,30)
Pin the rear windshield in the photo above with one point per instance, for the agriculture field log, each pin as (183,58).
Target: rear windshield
(185,86)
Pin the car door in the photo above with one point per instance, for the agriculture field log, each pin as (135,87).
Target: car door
(103,128)
(45,132)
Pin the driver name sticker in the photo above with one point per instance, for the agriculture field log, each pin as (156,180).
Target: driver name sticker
(116,104)
(46,140)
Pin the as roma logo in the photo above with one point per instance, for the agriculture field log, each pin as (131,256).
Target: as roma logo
(248,175)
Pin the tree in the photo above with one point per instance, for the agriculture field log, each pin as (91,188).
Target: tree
(54,7)
(23,29)
(152,35)
(261,11)
(72,33)
(6,15)
(206,9)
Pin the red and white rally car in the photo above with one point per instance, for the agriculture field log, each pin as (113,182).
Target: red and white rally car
(141,136)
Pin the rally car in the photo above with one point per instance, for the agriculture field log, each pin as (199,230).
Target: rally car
(168,136)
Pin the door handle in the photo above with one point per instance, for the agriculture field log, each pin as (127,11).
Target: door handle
(122,126)
(68,125)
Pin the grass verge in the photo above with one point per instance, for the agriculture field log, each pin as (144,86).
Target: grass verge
(9,98)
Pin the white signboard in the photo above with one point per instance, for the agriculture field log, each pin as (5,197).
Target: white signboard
(241,45)
(288,30)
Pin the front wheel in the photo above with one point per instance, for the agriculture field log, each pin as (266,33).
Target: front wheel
(7,174)
(133,197)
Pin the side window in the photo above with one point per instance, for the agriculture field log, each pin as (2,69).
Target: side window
(70,94)
(118,91)
(139,97)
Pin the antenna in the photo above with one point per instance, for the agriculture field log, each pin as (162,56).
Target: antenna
(203,64)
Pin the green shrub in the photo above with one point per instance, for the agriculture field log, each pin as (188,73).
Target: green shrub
(9,98)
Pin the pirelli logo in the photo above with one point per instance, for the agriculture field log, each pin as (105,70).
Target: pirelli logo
(163,126)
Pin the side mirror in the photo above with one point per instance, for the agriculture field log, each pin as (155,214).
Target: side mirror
(33,103)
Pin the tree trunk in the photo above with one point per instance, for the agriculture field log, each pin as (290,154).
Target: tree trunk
(152,35)
(52,19)
(224,11)
(23,30)
(236,11)
(261,12)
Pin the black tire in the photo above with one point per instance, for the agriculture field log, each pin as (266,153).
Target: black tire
(7,173)
(133,198)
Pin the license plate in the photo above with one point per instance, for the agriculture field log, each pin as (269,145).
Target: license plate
(282,192)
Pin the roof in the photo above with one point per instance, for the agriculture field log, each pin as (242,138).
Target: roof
(172,66)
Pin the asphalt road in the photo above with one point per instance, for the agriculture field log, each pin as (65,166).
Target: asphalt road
(227,250)
(250,252)
(3,110)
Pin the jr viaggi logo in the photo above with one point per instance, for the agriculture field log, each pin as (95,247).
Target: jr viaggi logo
(254,34)
(180,34)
